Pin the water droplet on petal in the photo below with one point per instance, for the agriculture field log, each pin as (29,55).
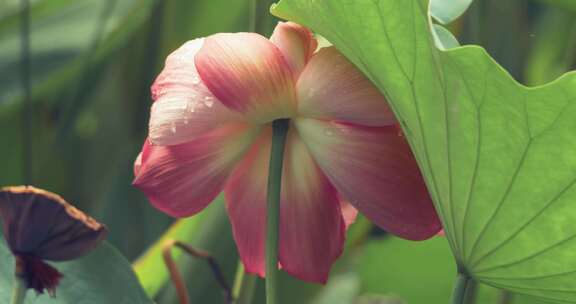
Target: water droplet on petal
(195,79)
(208,101)
(173,128)
(328,132)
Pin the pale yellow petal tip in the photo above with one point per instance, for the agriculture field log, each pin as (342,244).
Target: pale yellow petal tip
(278,10)
(273,9)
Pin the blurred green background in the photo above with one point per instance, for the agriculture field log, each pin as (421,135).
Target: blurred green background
(91,65)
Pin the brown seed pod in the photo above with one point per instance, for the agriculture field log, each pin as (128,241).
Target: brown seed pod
(39,225)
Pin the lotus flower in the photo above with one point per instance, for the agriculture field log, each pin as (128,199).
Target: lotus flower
(210,131)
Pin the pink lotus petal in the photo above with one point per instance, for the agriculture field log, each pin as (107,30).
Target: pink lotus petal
(142,156)
(245,195)
(311,223)
(296,43)
(349,213)
(184,108)
(332,88)
(312,226)
(181,180)
(248,74)
(374,169)
(138,161)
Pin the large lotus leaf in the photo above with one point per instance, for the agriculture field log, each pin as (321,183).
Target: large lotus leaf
(103,276)
(443,38)
(445,11)
(499,158)
(392,266)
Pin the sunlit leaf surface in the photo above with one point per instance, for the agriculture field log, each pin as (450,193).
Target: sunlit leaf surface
(443,37)
(499,158)
(445,11)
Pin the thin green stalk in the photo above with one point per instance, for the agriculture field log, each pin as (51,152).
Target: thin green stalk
(244,286)
(459,293)
(18,291)
(471,292)
(280,130)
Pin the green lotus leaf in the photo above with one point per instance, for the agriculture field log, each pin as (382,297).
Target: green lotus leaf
(103,276)
(499,158)
(443,37)
(446,11)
